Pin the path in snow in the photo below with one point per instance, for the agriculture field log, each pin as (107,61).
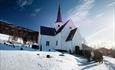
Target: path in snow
(108,64)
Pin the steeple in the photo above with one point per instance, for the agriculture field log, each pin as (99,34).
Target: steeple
(59,18)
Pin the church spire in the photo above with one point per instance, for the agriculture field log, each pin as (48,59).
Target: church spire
(59,18)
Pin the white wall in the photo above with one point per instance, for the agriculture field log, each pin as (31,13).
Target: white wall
(45,38)
(67,45)
(65,32)
(77,39)
(58,38)
(61,38)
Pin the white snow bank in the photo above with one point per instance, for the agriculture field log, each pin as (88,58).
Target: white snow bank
(29,60)
(11,47)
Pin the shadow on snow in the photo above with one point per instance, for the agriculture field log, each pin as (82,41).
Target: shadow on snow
(111,66)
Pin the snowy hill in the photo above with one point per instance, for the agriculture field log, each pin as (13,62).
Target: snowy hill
(29,60)
(36,60)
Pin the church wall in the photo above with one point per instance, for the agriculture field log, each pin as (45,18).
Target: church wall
(77,40)
(45,38)
(58,38)
(65,32)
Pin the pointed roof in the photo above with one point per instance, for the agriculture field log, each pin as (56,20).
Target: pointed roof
(59,18)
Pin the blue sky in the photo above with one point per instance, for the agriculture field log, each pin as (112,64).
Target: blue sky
(33,13)
(95,18)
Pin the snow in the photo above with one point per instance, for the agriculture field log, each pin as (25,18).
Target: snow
(17,47)
(29,60)
(108,64)
(4,37)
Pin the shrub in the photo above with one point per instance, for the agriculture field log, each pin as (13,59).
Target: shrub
(35,46)
(98,57)
(87,54)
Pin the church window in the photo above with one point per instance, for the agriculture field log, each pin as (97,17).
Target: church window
(47,43)
(56,43)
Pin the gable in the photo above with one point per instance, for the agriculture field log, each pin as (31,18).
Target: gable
(61,28)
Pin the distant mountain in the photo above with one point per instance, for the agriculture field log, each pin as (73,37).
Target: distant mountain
(101,44)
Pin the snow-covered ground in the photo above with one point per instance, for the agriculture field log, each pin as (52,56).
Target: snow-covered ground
(29,60)
(36,60)
(108,64)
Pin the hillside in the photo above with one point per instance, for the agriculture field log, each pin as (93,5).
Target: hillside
(31,60)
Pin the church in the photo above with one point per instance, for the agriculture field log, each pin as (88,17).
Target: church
(62,36)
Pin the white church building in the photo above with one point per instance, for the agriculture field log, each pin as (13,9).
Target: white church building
(62,36)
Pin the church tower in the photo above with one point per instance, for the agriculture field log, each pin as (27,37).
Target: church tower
(58,22)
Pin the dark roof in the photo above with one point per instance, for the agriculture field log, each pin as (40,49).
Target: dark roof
(47,31)
(71,34)
(51,31)
(61,28)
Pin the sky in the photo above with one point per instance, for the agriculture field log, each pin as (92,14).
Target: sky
(95,18)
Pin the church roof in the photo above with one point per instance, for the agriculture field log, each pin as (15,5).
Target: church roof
(61,28)
(71,34)
(51,31)
(47,31)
